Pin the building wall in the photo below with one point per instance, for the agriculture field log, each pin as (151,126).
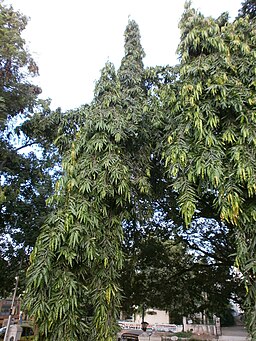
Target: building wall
(153,316)
(5,306)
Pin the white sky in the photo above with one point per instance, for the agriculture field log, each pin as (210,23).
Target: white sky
(72,40)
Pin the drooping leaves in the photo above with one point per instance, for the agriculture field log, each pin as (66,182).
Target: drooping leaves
(82,239)
(209,145)
(204,130)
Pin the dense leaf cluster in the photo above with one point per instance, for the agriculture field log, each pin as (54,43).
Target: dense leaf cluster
(149,140)
(209,142)
(25,180)
(156,152)
(16,65)
(104,174)
(248,8)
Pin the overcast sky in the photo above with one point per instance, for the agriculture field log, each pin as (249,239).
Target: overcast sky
(72,40)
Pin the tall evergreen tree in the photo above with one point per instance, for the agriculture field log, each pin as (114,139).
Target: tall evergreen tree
(131,75)
(78,256)
(83,236)
(248,8)
(112,172)
(25,180)
(209,145)
(16,93)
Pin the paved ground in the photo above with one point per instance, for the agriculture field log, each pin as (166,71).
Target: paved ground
(237,333)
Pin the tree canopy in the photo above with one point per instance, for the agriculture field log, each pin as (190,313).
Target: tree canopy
(209,141)
(16,92)
(248,8)
(103,176)
(157,181)
(25,180)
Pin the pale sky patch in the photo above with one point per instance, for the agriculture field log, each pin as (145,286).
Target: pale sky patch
(72,40)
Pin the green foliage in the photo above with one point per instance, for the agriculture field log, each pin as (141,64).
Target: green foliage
(73,289)
(169,268)
(133,96)
(23,211)
(89,197)
(209,141)
(175,140)
(25,180)
(16,65)
(183,334)
(248,8)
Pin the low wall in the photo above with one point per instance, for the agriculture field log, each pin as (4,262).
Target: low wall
(209,329)
(158,327)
